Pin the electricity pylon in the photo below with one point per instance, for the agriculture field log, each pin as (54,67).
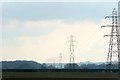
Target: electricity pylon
(113,57)
(71,48)
(60,60)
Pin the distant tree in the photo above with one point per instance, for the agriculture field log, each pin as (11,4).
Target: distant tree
(83,66)
(51,67)
(71,66)
(44,66)
(24,66)
(20,65)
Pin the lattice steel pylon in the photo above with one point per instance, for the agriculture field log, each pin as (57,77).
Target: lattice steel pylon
(71,45)
(113,57)
(60,60)
(119,36)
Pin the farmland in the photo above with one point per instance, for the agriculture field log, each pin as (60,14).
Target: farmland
(38,75)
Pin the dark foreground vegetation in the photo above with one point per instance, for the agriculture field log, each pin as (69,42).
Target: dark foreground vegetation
(53,75)
(60,74)
(61,70)
(61,79)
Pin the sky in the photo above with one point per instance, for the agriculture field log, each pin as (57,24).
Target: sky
(40,31)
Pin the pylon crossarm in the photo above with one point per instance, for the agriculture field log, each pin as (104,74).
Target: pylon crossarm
(110,35)
(109,26)
(114,16)
(108,17)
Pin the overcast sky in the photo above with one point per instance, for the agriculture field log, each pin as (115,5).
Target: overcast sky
(39,31)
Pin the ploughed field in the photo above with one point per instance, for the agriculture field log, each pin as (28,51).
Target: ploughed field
(59,74)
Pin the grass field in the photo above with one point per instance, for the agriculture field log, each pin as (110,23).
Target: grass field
(42,75)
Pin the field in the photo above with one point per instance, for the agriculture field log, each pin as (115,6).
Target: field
(59,75)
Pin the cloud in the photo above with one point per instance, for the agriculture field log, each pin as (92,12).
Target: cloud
(39,24)
(91,46)
(12,24)
(43,24)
